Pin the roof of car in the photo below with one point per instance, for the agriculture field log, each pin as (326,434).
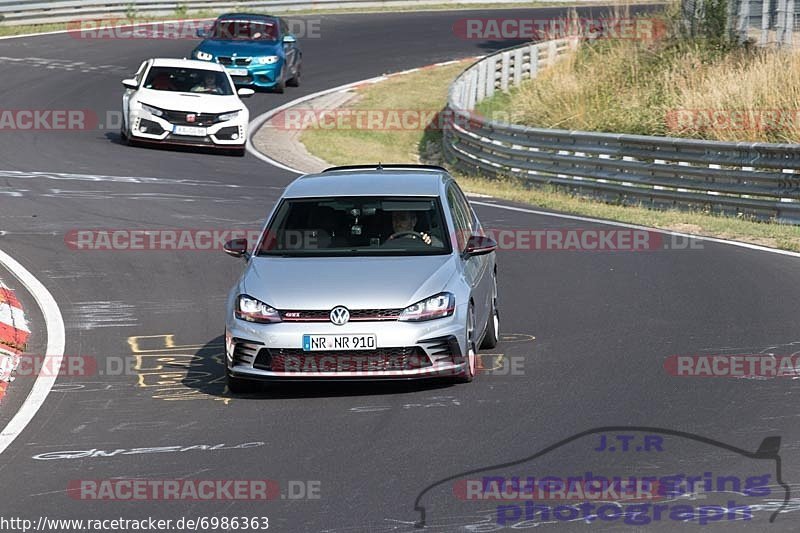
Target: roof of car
(186,63)
(247,16)
(368,182)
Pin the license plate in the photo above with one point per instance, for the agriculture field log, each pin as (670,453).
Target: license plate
(237,71)
(189,130)
(317,343)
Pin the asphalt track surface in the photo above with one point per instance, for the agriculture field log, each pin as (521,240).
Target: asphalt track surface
(593,329)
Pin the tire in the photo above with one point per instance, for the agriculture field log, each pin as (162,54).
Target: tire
(295,81)
(239,385)
(280,87)
(472,354)
(124,138)
(493,327)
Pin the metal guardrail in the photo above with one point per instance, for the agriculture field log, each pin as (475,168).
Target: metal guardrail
(757,179)
(40,12)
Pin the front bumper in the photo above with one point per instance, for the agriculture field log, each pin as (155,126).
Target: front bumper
(265,76)
(146,127)
(405,350)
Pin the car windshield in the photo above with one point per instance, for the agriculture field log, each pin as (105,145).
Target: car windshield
(245,30)
(195,80)
(350,226)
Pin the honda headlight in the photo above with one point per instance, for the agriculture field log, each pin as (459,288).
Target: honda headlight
(203,56)
(153,110)
(267,60)
(252,310)
(228,116)
(439,306)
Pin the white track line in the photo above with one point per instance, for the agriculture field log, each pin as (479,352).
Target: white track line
(104,28)
(55,349)
(256,123)
(634,226)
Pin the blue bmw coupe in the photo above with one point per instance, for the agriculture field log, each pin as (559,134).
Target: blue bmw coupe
(257,50)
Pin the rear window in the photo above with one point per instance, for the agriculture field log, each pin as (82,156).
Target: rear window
(345,226)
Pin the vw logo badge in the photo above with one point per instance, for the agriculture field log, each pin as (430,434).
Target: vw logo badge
(340,315)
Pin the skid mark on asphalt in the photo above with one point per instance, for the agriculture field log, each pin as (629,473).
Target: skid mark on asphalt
(65,176)
(102,314)
(62,64)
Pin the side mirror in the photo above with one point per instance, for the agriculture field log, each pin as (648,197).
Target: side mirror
(479,245)
(236,247)
(202,33)
(244,92)
(289,39)
(130,83)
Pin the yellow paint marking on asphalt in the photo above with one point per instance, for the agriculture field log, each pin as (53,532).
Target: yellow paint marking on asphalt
(173,371)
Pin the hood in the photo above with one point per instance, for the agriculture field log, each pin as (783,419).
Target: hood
(354,282)
(190,102)
(241,48)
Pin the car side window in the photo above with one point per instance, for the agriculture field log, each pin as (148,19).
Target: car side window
(461,214)
(475,225)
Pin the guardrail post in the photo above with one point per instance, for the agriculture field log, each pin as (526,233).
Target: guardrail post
(533,69)
(472,89)
(789,27)
(517,66)
(506,67)
(765,22)
(743,21)
(552,53)
(491,75)
(481,92)
(780,24)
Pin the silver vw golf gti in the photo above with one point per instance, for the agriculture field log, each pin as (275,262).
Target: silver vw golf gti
(363,273)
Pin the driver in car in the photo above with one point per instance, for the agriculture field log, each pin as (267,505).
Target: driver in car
(403,223)
(209,84)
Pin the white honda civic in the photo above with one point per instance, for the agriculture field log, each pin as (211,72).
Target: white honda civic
(187,102)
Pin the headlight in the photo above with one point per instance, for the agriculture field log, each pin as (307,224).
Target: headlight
(203,56)
(267,60)
(252,310)
(152,110)
(228,116)
(438,306)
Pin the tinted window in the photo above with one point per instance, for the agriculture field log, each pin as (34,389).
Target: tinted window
(345,226)
(188,80)
(462,216)
(245,30)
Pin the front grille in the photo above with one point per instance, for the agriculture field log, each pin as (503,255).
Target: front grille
(238,61)
(200,120)
(356,315)
(384,359)
(189,139)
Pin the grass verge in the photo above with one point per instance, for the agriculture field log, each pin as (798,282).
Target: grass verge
(675,87)
(427,90)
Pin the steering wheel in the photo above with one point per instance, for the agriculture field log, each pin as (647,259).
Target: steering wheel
(401,234)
